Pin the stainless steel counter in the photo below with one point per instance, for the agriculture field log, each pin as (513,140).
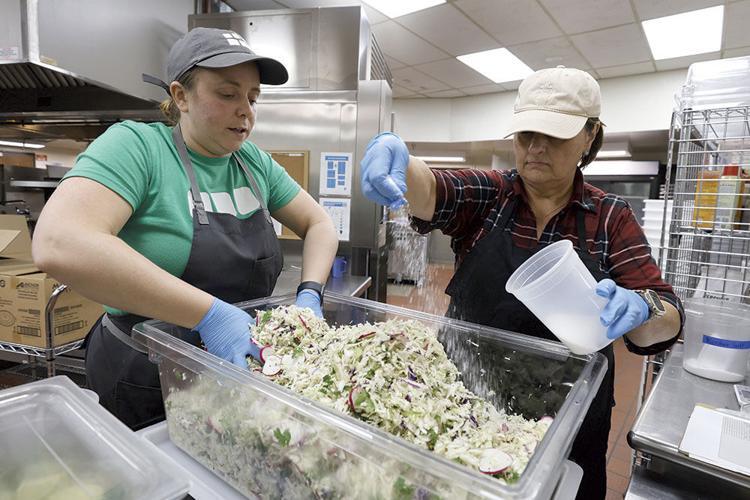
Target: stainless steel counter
(661,424)
(352,286)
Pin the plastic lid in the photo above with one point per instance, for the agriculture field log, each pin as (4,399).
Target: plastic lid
(731,170)
(60,443)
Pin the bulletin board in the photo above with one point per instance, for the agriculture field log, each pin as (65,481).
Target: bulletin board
(297,165)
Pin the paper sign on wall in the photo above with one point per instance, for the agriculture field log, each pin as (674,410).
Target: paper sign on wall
(339,209)
(336,174)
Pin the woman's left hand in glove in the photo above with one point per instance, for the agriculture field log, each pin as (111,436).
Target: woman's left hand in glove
(311,300)
(625,311)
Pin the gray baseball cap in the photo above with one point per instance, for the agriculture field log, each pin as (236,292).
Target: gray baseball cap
(215,48)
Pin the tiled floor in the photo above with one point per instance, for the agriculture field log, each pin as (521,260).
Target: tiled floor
(431,298)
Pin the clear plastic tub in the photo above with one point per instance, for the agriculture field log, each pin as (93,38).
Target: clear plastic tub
(717,339)
(342,457)
(58,443)
(721,83)
(556,286)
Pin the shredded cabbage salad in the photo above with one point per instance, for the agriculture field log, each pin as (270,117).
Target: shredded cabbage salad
(395,375)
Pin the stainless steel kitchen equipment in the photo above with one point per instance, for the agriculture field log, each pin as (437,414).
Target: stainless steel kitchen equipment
(338,96)
(667,473)
(707,232)
(523,375)
(635,181)
(708,240)
(69,68)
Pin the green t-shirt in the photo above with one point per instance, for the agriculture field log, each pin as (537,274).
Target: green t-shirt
(139,162)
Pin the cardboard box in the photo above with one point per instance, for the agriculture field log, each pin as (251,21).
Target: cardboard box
(24,293)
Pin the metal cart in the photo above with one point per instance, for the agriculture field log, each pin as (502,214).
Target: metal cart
(707,233)
(49,354)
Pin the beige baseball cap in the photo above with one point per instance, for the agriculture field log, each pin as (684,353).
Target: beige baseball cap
(556,102)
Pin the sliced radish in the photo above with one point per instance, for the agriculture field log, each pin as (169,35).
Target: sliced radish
(494,461)
(546,420)
(272,366)
(265,353)
(413,383)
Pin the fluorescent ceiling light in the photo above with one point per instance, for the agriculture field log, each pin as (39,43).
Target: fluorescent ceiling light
(614,153)
(620,149)
(442,159)
(398,8)
(695,32)
(21,144)
(499,65)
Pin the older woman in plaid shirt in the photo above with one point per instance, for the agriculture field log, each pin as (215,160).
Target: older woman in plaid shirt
(498,219)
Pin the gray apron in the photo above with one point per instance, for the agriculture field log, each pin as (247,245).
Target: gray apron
(230,258)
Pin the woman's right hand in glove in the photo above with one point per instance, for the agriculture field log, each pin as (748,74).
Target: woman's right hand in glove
(226,333)
(384,170)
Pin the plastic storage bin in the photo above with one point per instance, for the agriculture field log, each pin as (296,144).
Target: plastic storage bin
(58,443)
(342,457)
(717,339)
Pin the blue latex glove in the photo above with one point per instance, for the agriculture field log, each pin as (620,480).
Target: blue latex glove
(384,170)
(225,331)
(625,310)
(311,300)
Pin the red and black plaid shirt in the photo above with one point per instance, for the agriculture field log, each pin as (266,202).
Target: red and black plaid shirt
(470,204)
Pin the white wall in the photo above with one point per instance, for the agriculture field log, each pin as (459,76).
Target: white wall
(629,104)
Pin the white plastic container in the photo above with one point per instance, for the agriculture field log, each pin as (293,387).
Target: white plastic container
(717,339)
(556,286)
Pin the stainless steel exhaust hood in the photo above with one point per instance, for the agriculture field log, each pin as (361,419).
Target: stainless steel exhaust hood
(68,68)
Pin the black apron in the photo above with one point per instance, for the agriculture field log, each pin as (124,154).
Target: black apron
(487,267)
(230,258)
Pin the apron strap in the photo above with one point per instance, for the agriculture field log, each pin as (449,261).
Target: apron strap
(508,211)
(195,192)
(122,336)
(254,187)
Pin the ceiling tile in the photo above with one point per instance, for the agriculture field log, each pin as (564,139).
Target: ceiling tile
(549,53)
(736,32)
(613,46)
(510,22)
(449,29)
(739,52)
(446,93)
(415,80)
(684,62)
(651,9)
(393,63)
(484,89)
(454,73)
(400,43)
(399,91)
(578,16)
(626,69)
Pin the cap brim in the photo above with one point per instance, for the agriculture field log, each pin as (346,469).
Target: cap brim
(559,125)
(272,72)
